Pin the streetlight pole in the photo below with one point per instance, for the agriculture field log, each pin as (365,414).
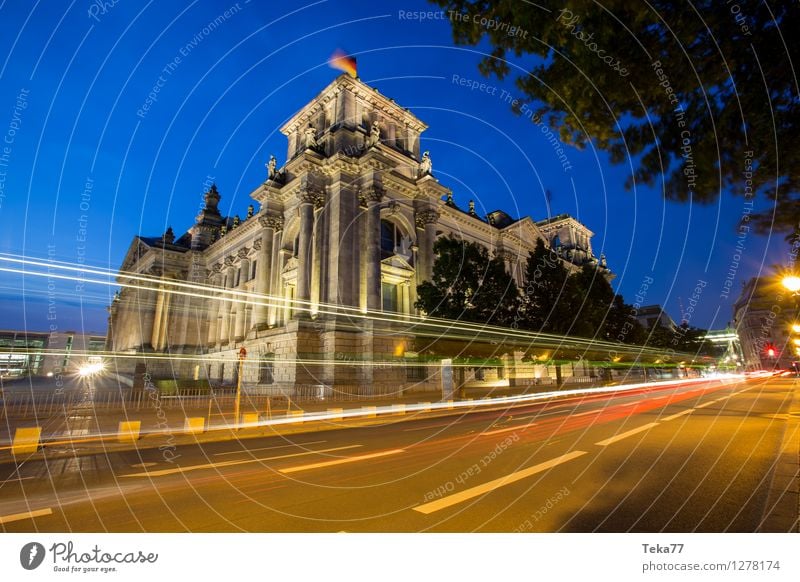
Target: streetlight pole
(242,356)
(792,284)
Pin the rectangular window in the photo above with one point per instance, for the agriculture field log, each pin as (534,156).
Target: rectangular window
(416,373)
(265,370)
(389,294)
(253,270)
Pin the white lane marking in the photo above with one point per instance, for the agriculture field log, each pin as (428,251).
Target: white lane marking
(461,496)
(268,448)
(431,427)
(26,515)
(625,435)
(588,412)
(340,461)
(232,463)
(499,430)
(679,414)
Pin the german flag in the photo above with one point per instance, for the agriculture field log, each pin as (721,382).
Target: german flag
(343,62)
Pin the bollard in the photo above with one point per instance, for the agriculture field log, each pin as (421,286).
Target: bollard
(194,425)
(129,431)
(449,404)
(371,411)
(398,408)
(26,440)
(335,413)
(250,418)
(297,415)
(424,406)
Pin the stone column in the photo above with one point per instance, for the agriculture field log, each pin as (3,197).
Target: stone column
(373,196)
(263,248)
(241,307)
(405,301)
(155,336)
(426,222)
(162,339)
(304,251)
(275,272)
(224,305)
(212,310)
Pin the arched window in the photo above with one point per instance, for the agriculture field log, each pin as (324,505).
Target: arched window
(390,238)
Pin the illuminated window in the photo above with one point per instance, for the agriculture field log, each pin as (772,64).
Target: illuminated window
(389,296)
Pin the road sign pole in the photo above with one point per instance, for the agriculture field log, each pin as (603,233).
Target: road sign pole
(242,356)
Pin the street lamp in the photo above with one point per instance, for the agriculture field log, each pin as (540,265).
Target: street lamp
(242,356)
(792,283)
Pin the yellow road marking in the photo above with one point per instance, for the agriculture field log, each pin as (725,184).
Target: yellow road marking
(472,492)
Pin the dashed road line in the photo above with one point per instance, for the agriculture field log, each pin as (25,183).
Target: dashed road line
(472,492)
(341,461)
(239,452)
(588,412)
(232,463)
(679,414)
(509,429)
(25,515)
(706,404)
(625,435)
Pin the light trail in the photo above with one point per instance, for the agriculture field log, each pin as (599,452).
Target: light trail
(421,326)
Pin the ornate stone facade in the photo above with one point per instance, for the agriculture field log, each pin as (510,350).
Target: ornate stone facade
(346,227)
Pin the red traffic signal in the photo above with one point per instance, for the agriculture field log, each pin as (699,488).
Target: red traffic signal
(770,350)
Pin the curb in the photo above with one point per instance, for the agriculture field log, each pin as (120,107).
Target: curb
(782,511)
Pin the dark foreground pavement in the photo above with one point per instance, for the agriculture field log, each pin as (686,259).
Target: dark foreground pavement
(708,457)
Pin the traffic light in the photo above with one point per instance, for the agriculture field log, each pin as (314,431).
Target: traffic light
(771,351)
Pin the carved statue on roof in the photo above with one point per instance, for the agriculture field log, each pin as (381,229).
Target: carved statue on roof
(425,164)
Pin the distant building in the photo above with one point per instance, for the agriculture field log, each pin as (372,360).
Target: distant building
(345,227)
(650,315)
(762,321)
(24,353)
(726,346)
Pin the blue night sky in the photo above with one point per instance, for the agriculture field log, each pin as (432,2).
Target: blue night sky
(83,77)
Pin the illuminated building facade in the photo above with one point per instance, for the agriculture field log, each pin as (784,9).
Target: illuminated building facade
(345,227)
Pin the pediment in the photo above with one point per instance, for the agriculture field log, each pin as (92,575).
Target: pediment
(397,262)
(135,252)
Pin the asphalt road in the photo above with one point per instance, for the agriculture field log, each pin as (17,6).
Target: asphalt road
(697,457)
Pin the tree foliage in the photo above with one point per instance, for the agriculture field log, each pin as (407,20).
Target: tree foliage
(468,285)
(701,95)
(544,308)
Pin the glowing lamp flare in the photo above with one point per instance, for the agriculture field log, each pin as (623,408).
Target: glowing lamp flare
(792,283)
(90,369)
(343,62)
